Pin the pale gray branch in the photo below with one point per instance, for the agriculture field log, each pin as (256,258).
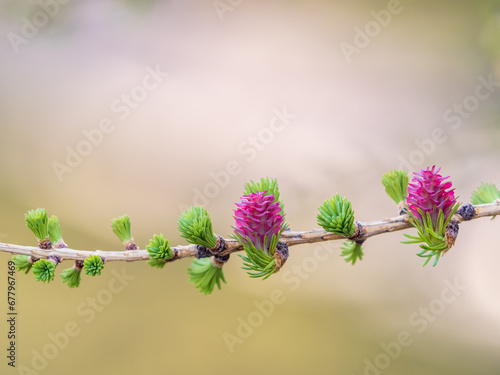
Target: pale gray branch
(290,238)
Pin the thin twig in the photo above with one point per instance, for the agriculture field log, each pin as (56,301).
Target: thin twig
(291,238)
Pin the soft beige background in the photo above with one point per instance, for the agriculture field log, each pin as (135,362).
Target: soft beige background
(354,121)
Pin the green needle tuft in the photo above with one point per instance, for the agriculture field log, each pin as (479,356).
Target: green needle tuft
(72,276)
(195,226)
(55,231)
(352,251)
(43,270)
(22,262)
(93,265)
(396,185)
(205,273)
(431,237)
(37,222)
(159,248)
(121,227)
(486,193)
(337,216)
(258,263)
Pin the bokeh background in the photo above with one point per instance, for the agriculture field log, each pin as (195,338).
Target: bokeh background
(231,65)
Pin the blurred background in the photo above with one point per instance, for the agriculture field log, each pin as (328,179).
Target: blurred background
(147,107)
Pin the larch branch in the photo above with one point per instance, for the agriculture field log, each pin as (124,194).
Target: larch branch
(290,238)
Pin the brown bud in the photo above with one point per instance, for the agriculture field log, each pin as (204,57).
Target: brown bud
(280,255)
(451,233)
